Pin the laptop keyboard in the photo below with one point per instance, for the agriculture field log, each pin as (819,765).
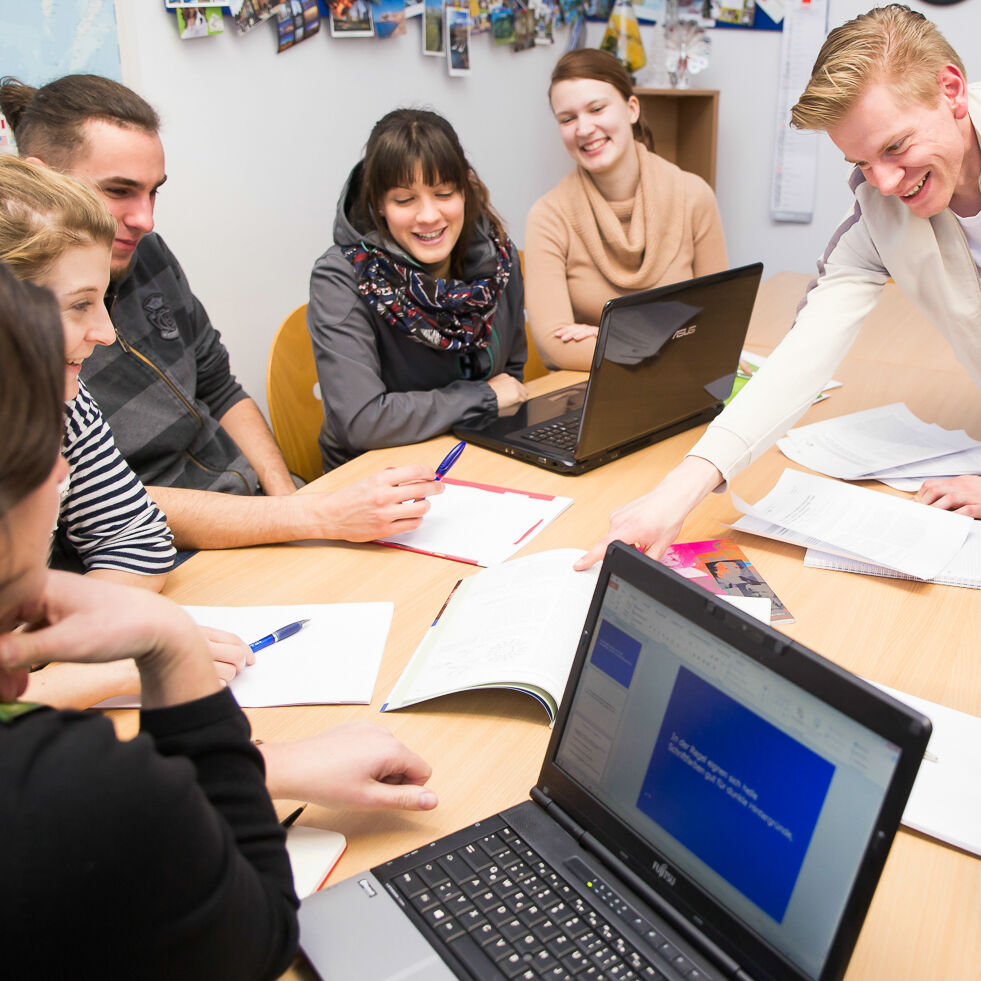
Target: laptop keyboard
(505,912)
(560,433)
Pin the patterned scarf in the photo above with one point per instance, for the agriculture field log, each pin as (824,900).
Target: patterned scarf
(447,314)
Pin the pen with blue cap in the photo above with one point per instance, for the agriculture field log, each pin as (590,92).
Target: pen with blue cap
(444,468)
(277,635)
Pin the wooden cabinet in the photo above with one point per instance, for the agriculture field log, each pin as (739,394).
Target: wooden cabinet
(685,124)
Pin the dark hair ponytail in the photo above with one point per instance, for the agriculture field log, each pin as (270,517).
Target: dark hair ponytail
(32,386)
(47,122)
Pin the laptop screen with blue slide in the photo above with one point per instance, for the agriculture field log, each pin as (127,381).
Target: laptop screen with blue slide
(751,792)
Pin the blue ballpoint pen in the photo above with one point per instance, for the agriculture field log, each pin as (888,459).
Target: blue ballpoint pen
(444,468)
(277,635)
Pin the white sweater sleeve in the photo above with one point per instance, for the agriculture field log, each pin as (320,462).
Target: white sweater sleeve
(849,281)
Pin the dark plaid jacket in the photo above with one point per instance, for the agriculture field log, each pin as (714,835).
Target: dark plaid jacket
(166,383)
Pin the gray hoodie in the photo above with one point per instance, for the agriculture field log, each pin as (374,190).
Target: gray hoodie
(379,386)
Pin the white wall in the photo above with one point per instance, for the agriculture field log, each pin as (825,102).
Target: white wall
(258,146)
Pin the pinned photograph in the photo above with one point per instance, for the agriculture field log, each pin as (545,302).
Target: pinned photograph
(6,135)
(544,11)
(524,30)
(651,11)
(351,18)
(502,25)
(197,21)
(600,9)
(480,16)
(389,17)
(296,21)
(255,12)
(698,11)
(432,29)
(458,40)
(739,12)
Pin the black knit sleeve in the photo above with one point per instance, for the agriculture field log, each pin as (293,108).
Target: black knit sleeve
(155,858)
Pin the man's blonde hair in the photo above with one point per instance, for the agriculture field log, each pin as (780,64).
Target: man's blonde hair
(892,45)
(43,214)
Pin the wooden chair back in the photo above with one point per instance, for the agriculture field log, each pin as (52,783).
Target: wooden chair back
(293,396)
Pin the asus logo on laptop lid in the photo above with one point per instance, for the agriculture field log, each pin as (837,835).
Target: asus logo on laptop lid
(684,332)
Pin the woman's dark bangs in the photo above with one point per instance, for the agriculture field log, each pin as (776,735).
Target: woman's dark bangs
(431,156)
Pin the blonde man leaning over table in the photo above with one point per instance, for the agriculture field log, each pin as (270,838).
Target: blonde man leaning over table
(893,96)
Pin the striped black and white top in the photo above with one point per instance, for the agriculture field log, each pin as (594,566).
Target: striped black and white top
(106,513)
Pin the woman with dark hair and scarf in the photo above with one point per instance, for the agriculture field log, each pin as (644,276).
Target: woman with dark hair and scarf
(417,310)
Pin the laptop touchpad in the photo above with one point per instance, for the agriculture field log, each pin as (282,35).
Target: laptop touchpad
(356,930)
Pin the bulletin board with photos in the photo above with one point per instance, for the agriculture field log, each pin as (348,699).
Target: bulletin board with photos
(447,27)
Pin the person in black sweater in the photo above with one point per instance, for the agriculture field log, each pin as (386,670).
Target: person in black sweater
(160,857)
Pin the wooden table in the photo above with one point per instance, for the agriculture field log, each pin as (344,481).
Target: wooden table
(486,747)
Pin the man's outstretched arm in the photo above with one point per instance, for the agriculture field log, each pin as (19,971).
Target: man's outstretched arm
(387,503)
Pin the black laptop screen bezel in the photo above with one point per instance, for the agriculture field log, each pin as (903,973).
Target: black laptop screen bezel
(838,688)
(750,273)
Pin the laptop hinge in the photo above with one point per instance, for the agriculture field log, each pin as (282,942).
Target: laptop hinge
(683,926)
(557,814)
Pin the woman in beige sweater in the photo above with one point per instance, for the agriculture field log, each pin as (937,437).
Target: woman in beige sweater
(624,220)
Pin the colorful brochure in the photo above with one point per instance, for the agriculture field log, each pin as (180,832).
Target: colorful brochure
(721,567)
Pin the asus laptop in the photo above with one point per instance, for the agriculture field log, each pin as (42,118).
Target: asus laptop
(665,361)
(716,802)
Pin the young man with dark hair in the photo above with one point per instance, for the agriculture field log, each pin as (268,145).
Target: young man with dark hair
(180,418)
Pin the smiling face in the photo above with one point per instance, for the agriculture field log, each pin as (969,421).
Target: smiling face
(78,278)
(595,122)
(924,155)
(126,167)
(426,221)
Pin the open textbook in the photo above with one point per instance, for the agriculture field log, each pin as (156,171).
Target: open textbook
(515,625)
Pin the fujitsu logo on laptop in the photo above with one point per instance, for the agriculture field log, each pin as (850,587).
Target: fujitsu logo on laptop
(684,332)
(663,871)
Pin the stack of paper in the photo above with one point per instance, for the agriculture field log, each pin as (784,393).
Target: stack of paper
(888,443)
(946,799)
(333,660)
(858,524)
(963,570)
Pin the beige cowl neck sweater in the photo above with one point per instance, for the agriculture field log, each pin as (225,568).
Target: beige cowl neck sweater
(581,250)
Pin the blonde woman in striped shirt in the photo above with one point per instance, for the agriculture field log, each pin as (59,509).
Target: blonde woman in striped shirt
(57,233)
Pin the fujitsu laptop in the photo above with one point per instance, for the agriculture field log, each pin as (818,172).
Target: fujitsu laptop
(665,361)
(716,801)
